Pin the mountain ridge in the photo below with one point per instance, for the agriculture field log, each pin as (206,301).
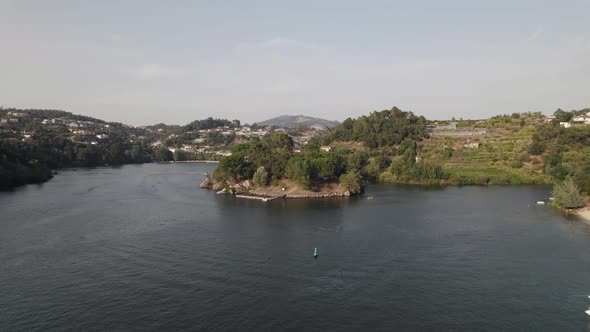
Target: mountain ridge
(296,121)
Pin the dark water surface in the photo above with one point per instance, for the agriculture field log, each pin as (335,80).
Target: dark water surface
(142,248)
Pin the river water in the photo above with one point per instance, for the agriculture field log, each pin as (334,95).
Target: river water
(142,248)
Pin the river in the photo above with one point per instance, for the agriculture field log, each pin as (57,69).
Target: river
(141,248)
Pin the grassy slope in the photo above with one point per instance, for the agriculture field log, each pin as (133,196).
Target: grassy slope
(500,158)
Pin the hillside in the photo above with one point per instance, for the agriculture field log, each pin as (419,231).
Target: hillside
(299,121)
(274,158)
(35,142)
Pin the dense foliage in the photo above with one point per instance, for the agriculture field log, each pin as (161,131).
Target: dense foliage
(35,141)
(210,123)
(273,158)
(566,153)
(395,130)
(567,194)
(379,129)
(409,167)
(30,162)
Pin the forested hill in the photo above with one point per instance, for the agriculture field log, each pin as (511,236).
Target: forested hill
(33,142)
(275,158)
(380,129)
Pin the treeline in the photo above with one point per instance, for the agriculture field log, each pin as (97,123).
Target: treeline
(210,123)
(164,154)
(381,129)
(50,114)
(564,116)
(32,162)
(566,159)
(408,167)
(272,158)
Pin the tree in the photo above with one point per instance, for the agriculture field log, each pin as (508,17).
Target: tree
(260,177)
(536,148)
(163,154)
(355,161)
(380,129)
(567,194)
(582,177)
(351,182)
(563,116)
(116,155)
(299,170)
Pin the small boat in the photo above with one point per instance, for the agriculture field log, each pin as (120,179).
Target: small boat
(540,203)
(588,312)
(371,197)
(315,252)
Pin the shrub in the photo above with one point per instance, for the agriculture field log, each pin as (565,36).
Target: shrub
(536,148)
(516,164)
(260,177)
(351,181)
(567,194)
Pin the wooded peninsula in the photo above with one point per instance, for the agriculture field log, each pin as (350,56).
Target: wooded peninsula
(392,146)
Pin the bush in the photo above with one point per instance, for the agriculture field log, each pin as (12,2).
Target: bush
(516,164)
(387,177)
(299,170)
(351,181)
(567,194)
(536,148)
(260,177)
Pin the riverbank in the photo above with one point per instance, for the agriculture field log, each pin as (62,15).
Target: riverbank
(190,161)
(284,188)
(584,213)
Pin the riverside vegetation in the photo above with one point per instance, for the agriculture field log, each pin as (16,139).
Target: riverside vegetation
(398,147)
(386,146)
(36,142)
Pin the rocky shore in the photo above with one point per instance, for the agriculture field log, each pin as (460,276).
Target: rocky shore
(285,190)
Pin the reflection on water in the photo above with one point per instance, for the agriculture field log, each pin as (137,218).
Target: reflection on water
(141,247)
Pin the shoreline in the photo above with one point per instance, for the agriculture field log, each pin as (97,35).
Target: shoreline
(267,198)
(583,213)
(189,162)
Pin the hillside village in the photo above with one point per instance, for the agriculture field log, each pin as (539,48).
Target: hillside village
(215,141)
(211,142)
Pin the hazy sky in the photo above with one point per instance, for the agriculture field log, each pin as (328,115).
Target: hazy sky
(142,62)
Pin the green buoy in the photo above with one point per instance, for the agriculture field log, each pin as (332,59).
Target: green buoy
(315,252)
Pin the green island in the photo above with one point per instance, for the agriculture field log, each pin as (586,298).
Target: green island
(266,161)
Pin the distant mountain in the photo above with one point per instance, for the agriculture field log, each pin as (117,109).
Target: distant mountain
(297,121)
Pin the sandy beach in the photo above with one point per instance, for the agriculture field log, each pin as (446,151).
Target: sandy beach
(584,213)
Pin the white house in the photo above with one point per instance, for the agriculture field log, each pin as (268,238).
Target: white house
(582,118)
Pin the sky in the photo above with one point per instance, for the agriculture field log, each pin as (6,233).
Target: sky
(145,62)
